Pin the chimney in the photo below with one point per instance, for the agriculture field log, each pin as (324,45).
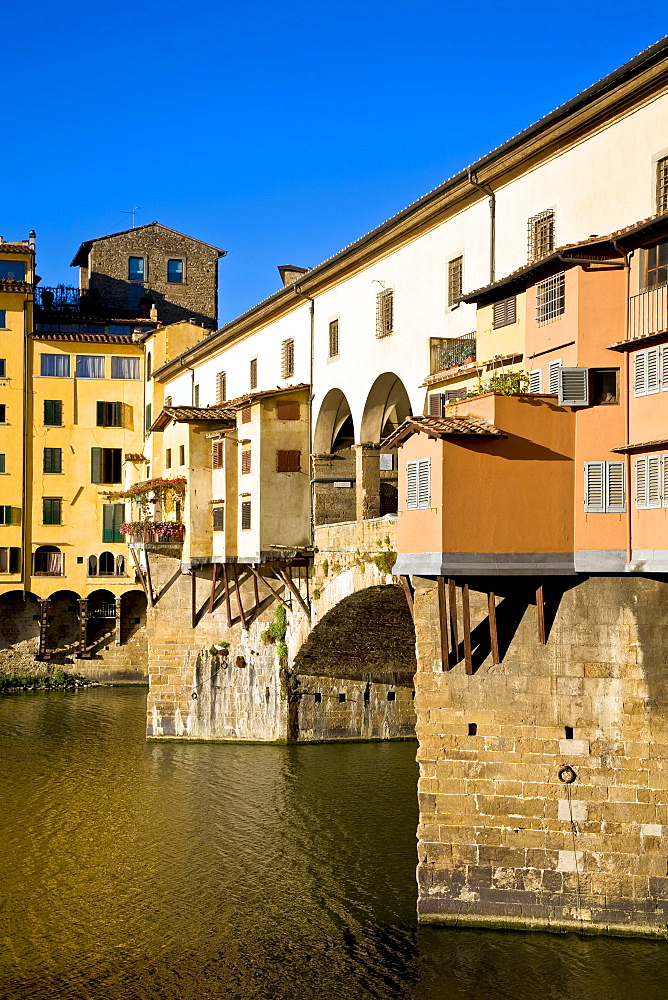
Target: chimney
(290,273)
(32,236)
(154,314)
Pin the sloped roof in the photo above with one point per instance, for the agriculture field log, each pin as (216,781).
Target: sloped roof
(81,256)
(89,338)
(250,397)
(191,414)
(441,427)
(18,247)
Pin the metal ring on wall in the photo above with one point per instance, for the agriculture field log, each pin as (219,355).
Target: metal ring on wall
(567,775)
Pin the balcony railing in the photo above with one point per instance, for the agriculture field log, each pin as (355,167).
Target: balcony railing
(648,312)
(165,533)
(451,352)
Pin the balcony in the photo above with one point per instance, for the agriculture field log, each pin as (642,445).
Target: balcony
(450,352)
(140,533)
(648,312)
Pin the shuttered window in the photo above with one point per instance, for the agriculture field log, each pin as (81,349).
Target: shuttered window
(245,461)
(287,358)
(5,514)
(52,510)
(385,313)
(287,411)
(196,395)
(113,516)
(455,275)
(148,419)
(105,465)
(218,518)
(646,372)
(253,373)
(573,386)
(221,387)
(109,414)
(10,559)
(245,515)
(505,312)
(2,463)
(334,338)
(605,487)
(246,415)
(288,461)
(418,484)
(218,452)
(436,404)
(182,454)
(662,185)
(168,458)
(53,412)
(52,460)
(536,380)
(553,377)
(649,482)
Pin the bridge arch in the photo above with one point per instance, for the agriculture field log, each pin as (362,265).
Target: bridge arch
(334,427)
(386,406)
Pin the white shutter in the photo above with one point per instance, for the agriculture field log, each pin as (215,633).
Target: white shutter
(424,483)
(553,377)
(640,373)
(664,476)
(641,483)
(573,386)
(654,481)
(664,370)
(594,486)
(411,485)
(652,370)
(615,492)
(536,380)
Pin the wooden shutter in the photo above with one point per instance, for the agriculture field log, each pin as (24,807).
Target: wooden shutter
(654,481)
(664,367)
(436,404)
(288,461)
(664,480)
(641,483)
(119,517)
(14,559)
(505,312)
(96,465)
(424,483)
(117,414)
(245,461)
(245,515)
(287,358)
(101,413)
(108,522)
(333,338)
(221,387)
(652,384)
(246,415)
(218,518)
(149,418)
(53,460)
(639,374)
(287,411)
(53,412)
(218,453)
(536,380)
(573,386)
(615,492)
(253,373)
(411,485)
(594,487)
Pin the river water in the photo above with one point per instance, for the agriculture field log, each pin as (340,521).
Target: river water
(194,871)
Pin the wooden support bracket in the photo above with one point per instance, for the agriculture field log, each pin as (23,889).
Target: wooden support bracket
(285,576)
(149,582)
(228,607)
(258,576)
(493,632)
(443,624)
(214,580)
(466,617)
(409,592)
(452,608)
(540,613)
(242,613)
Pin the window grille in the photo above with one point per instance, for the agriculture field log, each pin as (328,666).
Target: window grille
(287,358)
(287,411)
(605,487)
(385,313)
(196,396)
(646,372)
(573,386)
(455,271)
(288,461)
(245,461)
(505,312)
(649,482)
(253,373)
(541,234)
(418,484)
(245,515)
(334,338)
(662,185)
(550,298)
(536,380)
(448,352)
(218,454)
(221,387)
(218,518)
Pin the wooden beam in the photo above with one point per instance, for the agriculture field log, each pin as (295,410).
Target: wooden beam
(409,592)
(540,613)
(44,605)
(276,594)
(149,582)
(452,609)
(214,580)
(193,598)
(83,627)
(228,606)
(140,572)
(443,624)
(119,621)
(493,633)
(242,613)
(283,574)
(466,616)
(255,590)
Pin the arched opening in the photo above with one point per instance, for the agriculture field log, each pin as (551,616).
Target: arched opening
(107,564)
(63,626)
(48,560)
(101,611)
(19,626)
(92,565)
(387,405)
(133,618)
(334,461)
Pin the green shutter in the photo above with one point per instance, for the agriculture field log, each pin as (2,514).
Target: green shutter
(2,464)
(117,414)
(7,515)
(14,560)
(108,522)
(53,412)
(96,465)
(119,517)
(100,414)
(149,421)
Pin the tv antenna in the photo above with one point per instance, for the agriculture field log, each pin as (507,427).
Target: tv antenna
(132,212)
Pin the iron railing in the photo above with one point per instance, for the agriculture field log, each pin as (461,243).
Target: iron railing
(450,352)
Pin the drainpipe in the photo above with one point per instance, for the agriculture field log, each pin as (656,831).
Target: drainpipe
(27,488)
(192,382)
(473,179)
(311,301)
(627,399)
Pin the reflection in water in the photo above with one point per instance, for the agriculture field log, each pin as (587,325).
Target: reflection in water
(228,871)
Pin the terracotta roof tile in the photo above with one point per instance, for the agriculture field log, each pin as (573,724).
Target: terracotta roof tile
(88,338)
(441,427)
(250,397)
(187,414)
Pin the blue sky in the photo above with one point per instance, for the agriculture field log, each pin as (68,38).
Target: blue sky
(278,132)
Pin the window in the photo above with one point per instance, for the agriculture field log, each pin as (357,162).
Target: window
(536,380)
(334,338)
(5,514)
(149,366)
(604,386)
(12,270)
(541,234)
(287,411)
(455,269)
(109,414)
(3,319)
(3,413)
(253,373)
(148,418)
(196,395)
(662,185)
(2,464)
(605,487)
(3,368)
(92,565)
(573,386)
(505,312)
(48,561)
(245,461)
(107,564)
(246,415)
(89,366)
(385,313)
(168,402)
(175,271)
(52,510)
(288,461)
(182,454)
(56,365)
(650,473)
(52,460)
(646,372)
(120,565)
(53,412)
(287,359)
(245,515)
(9,560)
(550,298)
(168,458)
(418,484)
(656,266)
(221,387)
(113,516)
(218,453)
(105,465)
(436,404)
(136,269)
(125,368)
(218,518)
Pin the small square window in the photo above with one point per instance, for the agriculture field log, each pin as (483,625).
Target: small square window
(605,386)
(175,271)
(182,454)
(342,697)
(136,269)
(3,319)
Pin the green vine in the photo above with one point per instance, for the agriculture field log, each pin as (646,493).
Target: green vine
(277,630)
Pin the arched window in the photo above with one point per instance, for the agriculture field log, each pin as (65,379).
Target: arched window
(48,561)
(149,366)
(92,565)
(107,564)
(120,565)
